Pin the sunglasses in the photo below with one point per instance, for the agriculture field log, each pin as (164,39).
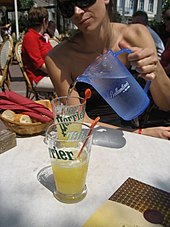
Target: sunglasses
(67,6)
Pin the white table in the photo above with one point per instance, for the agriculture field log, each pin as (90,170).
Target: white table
(25,202)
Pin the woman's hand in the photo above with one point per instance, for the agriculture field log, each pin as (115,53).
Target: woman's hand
(159,132)
(143,60)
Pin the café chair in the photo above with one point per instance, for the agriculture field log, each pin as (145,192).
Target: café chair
(6,53)
(31,91)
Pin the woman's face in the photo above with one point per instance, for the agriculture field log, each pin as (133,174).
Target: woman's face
(89,18)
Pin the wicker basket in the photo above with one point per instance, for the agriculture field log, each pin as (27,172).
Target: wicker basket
(26,129)
(31,128)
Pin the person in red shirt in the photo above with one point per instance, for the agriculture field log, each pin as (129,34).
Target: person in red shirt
(35,47)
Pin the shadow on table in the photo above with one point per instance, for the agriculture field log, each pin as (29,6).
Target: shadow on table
(45,177)
(108,137)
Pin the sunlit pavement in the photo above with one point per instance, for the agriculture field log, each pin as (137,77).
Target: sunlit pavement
(17,83)
(17,79)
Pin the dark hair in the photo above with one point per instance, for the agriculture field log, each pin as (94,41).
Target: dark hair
(51,28)
(36,16)
(142,14)
(51,24)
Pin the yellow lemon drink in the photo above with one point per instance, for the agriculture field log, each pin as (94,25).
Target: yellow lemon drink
(65,122)
(70,175)
(69,131)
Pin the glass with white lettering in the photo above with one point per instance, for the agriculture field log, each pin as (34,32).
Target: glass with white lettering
(69,160)
(68,109)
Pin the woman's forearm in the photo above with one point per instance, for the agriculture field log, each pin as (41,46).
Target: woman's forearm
(160,89)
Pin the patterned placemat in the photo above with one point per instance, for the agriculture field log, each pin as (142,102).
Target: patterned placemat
(142,197)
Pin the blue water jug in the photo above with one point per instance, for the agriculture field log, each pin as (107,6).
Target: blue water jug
(108,75)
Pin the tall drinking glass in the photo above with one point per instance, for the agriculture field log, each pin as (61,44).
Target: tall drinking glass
(69,168)
(68,109)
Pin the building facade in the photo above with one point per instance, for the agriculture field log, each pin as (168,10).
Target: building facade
(126,8)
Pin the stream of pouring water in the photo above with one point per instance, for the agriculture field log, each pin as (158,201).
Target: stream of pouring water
(71,88)
(64,108)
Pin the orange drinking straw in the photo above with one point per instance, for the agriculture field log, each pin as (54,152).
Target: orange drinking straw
(87,95)
(89,133)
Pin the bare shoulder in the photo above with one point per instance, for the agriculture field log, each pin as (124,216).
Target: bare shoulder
(60,52)
(134,34)
(137,35)
(66,52)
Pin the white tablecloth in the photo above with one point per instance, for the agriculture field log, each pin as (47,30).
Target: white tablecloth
(26,198)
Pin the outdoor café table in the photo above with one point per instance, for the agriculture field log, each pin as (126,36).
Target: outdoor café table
(26,202)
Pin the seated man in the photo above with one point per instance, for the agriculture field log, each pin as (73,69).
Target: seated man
(141,17)
(35,46)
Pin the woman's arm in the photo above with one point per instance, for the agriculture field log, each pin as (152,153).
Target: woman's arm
(160,89)
(144,59)
(59,75)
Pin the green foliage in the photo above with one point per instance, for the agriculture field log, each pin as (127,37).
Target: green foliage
(165,5)
(23,23)
(23,5)
(26,4)
(159,27)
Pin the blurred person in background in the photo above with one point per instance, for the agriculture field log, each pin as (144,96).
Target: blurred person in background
(141,17)
(1,28)
(5,30)
(35,46)
(165,58)
(6,26)
(52,30)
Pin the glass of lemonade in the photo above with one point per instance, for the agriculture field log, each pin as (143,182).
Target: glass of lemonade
(69,170)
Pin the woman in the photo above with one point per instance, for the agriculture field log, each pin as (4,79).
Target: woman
(35,46)
(96,36)
(165,58)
